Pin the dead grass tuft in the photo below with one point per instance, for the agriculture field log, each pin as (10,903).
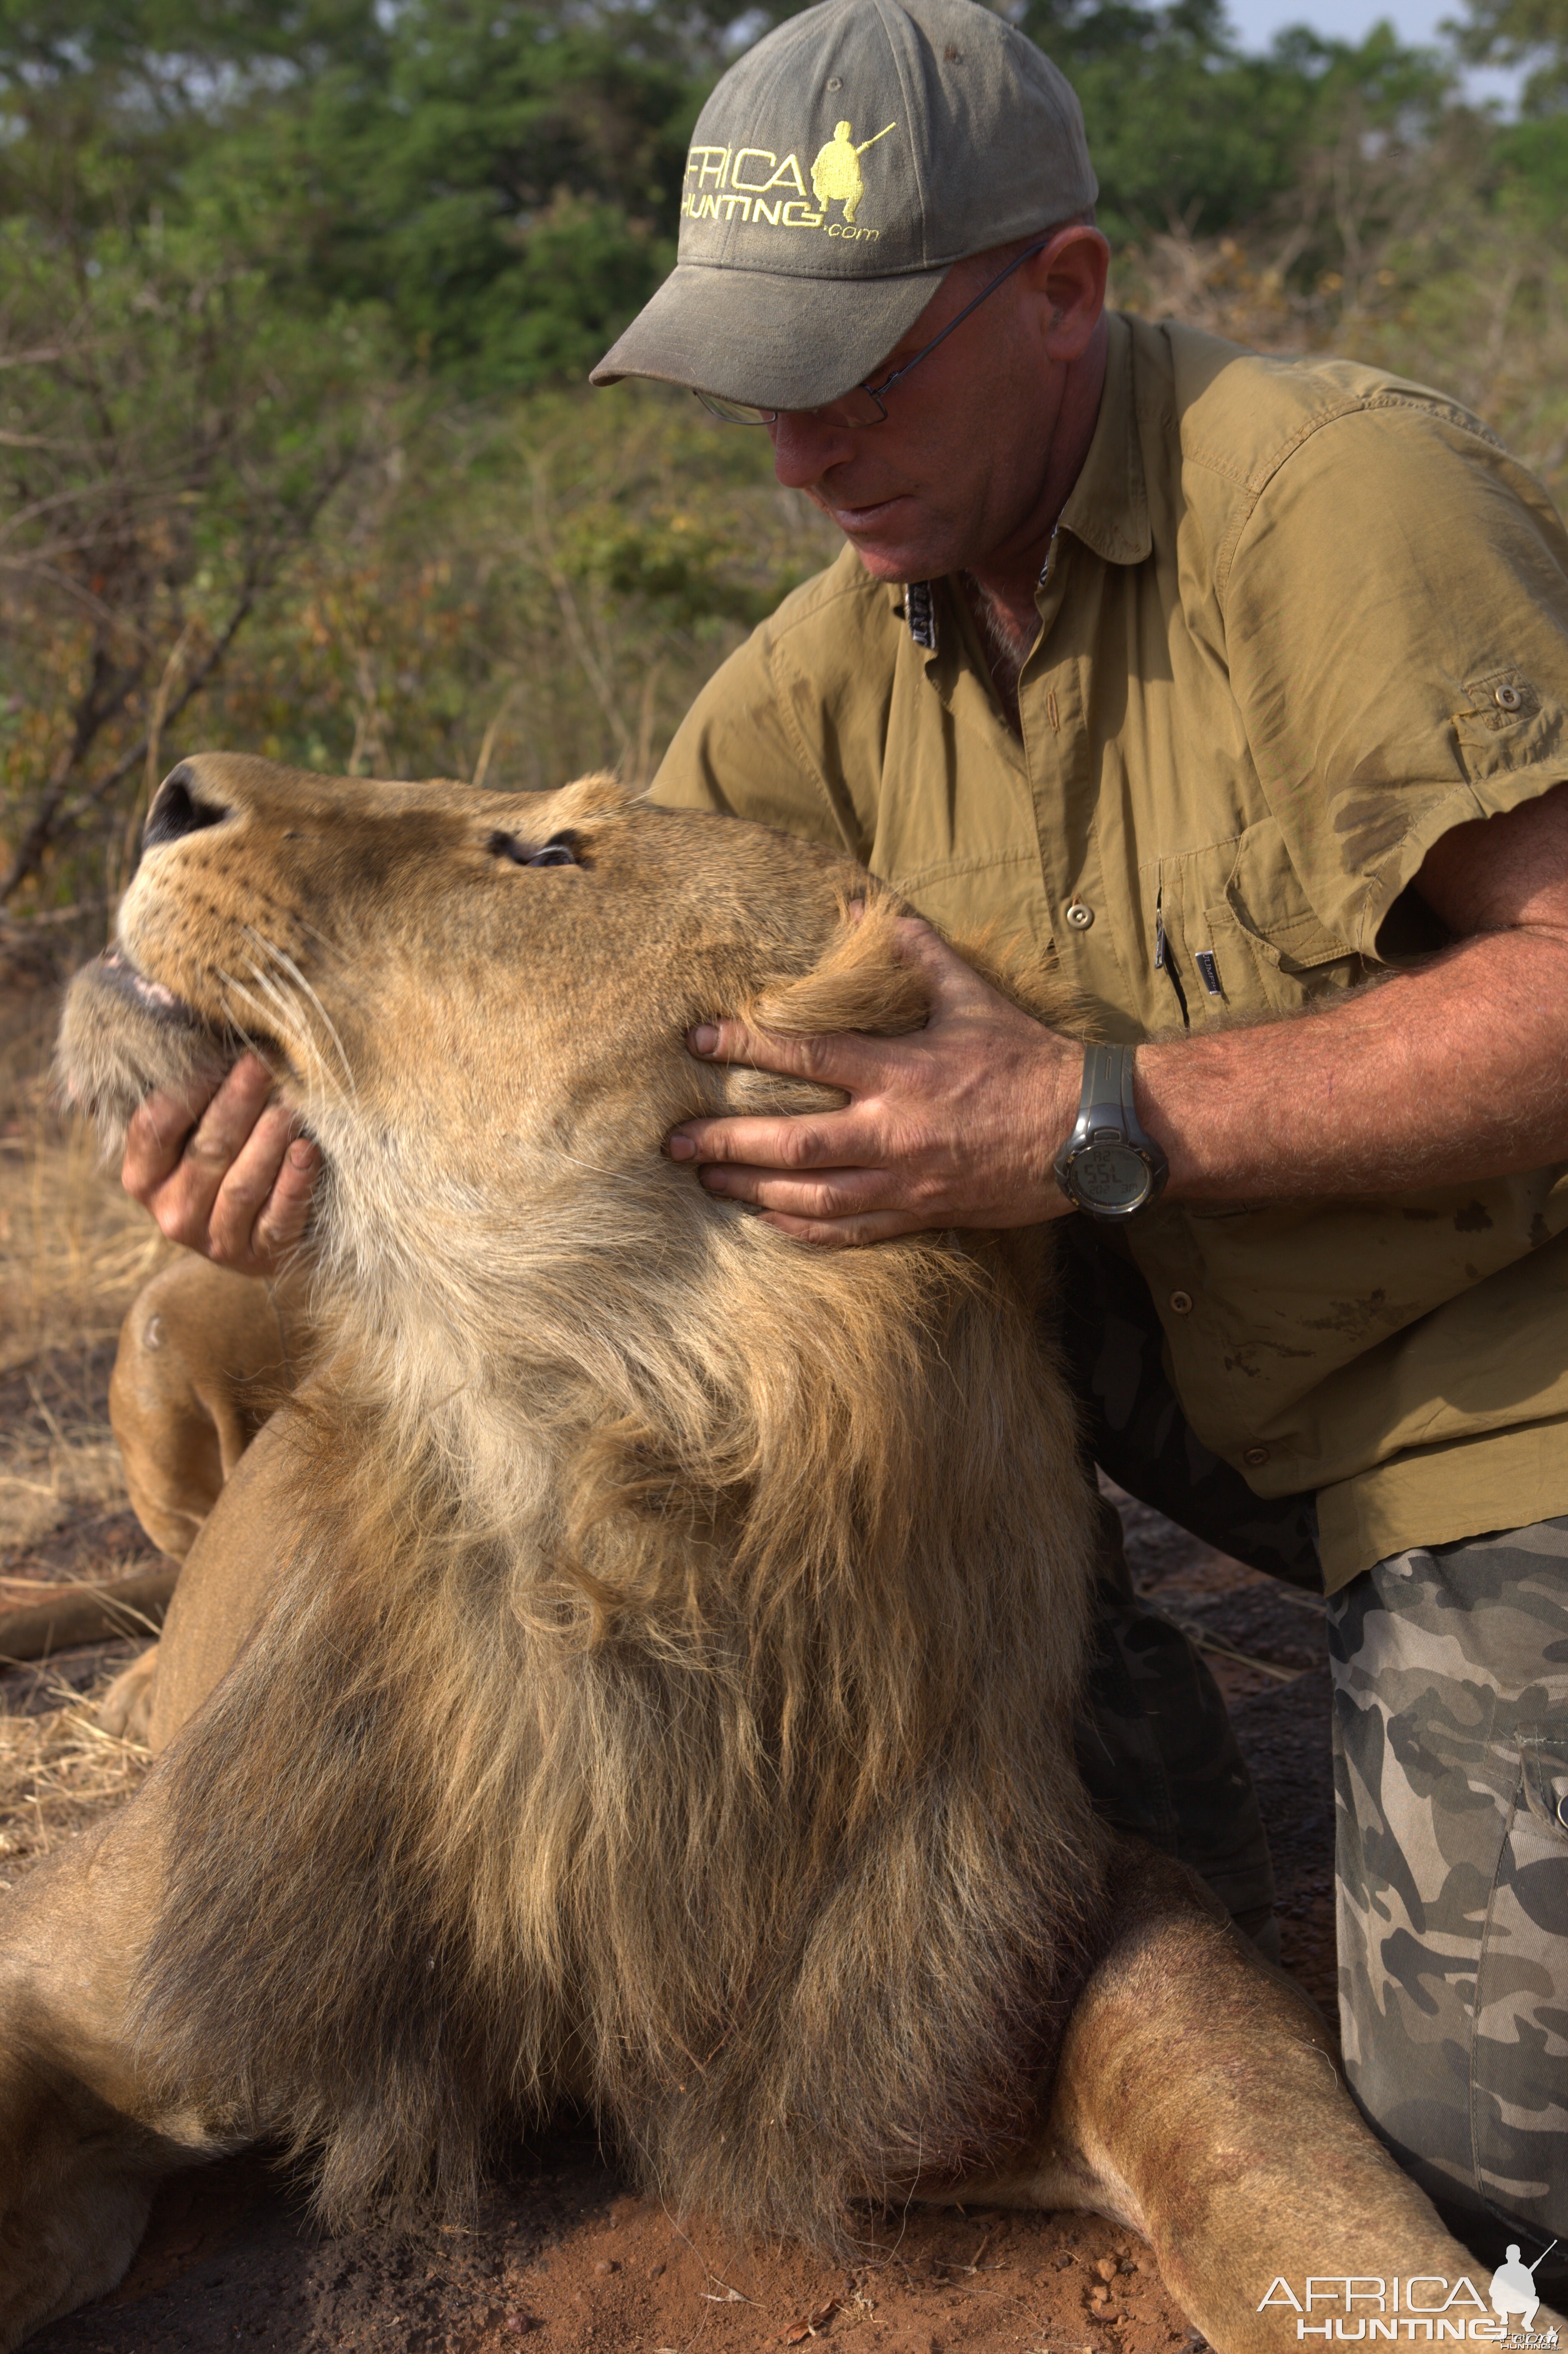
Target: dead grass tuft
(59,1771)
(75,1249)
(56,1468)
(73,1253)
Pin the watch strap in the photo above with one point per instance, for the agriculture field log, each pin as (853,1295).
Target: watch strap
(1107,1098)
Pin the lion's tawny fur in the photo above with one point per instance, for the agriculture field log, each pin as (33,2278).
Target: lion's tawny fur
(670,1699)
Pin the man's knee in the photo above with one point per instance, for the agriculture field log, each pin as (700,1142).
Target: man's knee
(1451,1770)
(204,1357)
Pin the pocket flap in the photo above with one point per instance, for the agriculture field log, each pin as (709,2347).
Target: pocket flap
(1292,943)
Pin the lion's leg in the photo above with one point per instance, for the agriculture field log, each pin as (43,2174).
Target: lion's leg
(204,1357)
(84,2133)
(229,1577)
(126,1708)
(1198,2102)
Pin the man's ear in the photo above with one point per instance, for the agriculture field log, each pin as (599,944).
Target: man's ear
(859,983)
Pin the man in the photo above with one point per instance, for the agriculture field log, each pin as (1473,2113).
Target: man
(1234,685)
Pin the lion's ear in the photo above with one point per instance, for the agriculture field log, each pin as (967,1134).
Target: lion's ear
(859,983)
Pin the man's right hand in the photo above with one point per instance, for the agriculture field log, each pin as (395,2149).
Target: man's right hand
(227,1173)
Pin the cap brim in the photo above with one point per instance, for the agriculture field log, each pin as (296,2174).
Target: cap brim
(780,342)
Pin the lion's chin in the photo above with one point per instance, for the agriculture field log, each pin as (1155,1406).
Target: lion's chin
(123,1035)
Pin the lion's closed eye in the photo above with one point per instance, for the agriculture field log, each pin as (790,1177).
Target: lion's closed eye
(561,850)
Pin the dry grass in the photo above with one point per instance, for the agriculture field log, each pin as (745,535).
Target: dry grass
(59,1772)
(74,1249)
(73,1253)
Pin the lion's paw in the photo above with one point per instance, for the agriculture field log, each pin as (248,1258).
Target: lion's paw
(126,1708)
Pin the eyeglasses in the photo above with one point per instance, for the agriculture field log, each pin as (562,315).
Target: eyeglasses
(865,404)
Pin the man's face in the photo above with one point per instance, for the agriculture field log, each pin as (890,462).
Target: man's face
(959,466)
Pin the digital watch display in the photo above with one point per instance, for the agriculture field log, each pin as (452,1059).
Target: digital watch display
(1110,1167)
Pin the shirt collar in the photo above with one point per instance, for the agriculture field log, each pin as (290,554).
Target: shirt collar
(1108,507)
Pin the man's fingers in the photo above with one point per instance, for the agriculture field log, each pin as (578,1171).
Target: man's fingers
(785,1142)
(834,1194)
(246,1185)
(288,1206)
(237,1183)
(156,1138)
(845,1233)
(843,1059)
(221,1134)
(167,1127)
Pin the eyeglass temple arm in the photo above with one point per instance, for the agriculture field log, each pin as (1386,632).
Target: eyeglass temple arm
(925,353)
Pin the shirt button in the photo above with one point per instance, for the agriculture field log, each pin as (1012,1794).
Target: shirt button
(1255,1455)
(1180,1303)
(1509,698)
(1080,917)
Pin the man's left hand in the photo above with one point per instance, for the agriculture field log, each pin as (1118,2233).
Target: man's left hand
(955,1125)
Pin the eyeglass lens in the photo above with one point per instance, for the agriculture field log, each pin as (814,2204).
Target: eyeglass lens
(860,405)
(856,407)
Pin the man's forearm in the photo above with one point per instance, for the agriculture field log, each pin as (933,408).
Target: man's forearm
(1458,1070)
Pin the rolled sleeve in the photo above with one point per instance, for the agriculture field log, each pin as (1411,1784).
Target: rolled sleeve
(1397,631)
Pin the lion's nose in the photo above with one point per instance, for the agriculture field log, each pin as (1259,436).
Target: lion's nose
(176,812)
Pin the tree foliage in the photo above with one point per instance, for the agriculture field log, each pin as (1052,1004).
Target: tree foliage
(293,291)
(502,176)
(1524,32)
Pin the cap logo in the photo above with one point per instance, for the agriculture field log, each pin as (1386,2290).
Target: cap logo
(752,183)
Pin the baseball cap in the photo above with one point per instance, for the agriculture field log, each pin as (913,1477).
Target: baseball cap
(838,171)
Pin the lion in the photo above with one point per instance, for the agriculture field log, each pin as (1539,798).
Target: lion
(640,1664)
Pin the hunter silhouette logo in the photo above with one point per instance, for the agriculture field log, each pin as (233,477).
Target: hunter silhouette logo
(758,187)
(836,173)
(1515,2297)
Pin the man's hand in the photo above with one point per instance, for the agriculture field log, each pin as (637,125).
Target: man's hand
(955,1125)
(227,1173)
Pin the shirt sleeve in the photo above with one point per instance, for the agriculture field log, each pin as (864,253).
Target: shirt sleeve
(1397,623)
(787,732)
(736,753)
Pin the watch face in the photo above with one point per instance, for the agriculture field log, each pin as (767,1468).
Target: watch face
(1110,1177)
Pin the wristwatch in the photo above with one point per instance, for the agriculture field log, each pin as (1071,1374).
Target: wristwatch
(1110,1166)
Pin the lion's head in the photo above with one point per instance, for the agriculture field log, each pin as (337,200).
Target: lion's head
(721,1602)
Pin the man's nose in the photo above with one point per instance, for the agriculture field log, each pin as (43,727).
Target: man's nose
(805,447)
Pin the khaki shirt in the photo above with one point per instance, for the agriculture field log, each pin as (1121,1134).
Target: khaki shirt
(1298,621)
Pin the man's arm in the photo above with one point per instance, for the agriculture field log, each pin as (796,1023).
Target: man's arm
(1455,1070)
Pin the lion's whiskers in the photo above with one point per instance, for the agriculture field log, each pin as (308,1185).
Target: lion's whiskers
(282,959)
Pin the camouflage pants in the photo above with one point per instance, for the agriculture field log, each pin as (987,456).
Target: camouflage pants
(1451,1766)
(1450,1672)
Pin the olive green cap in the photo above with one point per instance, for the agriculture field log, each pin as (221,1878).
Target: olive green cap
(839,170)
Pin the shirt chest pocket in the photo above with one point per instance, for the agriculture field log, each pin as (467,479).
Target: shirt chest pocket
(1238,937)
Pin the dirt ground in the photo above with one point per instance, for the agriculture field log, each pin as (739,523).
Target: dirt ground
(561,2251)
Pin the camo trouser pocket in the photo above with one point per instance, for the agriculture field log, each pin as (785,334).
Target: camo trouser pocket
(1451,1776)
